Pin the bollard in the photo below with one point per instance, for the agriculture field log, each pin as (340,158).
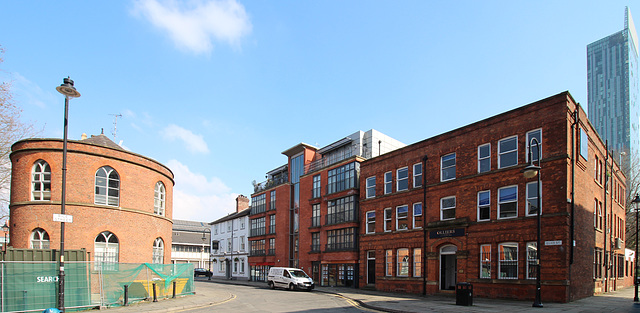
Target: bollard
(155,298)
(174,289)
(126,295)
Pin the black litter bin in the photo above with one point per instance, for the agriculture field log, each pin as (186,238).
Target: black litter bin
(464,294)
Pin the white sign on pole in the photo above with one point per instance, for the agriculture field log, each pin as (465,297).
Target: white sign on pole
(63,218)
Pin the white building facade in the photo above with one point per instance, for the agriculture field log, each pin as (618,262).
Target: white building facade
(229,245)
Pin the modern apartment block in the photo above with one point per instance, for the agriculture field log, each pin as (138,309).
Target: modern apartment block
(612,87)
(306,213)
(457,208)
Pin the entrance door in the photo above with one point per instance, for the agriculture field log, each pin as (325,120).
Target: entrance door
(315,272)
(448,268)
(371,267)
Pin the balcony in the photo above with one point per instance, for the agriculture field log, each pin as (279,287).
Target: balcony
(342,217)
(257,232)
(257,253)
(343,246)
(270,183)
(333,157)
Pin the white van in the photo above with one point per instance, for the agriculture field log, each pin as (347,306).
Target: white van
(290,278)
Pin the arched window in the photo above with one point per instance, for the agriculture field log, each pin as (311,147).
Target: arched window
(158,251)
(107,186)
(106,248)
(41,181)
(158,199)
(39,239)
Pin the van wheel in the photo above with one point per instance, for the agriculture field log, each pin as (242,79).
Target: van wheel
(271,285)
(291,287)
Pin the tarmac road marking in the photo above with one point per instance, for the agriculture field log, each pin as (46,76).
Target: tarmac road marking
(356,304)
(232,297)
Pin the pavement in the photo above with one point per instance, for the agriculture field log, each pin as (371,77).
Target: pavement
(617,301)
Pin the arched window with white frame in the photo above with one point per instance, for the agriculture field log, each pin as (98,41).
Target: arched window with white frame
(106,249)
(107,186)
(39,239)
(41,181)
(159,199)
(158,251)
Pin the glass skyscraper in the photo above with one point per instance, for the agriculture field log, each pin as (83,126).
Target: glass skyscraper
(612,87)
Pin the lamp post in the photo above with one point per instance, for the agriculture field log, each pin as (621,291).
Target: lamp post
(530,171)
(635,275)
(69,92)
(5,229)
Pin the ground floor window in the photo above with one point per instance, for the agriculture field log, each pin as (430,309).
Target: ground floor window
(485,261)
(597,263)
(532,260)
(260,272)
(620,259)
(508,265)
(339,275)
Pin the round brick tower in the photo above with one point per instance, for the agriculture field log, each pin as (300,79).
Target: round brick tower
(121,202)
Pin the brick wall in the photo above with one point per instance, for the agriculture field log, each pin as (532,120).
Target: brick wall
(554,117)
(133,221)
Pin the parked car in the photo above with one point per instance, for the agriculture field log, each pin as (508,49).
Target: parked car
(289,278)
(202,272)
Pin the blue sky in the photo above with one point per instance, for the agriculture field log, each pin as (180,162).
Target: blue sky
(216,90)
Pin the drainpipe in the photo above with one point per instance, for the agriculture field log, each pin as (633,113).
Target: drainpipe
(606,229)
(575,131)
(424,225)
(611,227)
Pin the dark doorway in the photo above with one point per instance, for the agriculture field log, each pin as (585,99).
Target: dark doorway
(371,267)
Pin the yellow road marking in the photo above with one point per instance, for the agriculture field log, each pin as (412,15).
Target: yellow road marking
(356,304)
(232,297)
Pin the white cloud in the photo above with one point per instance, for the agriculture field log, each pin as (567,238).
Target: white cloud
(194,25)
(27,92)
(194,143)
(198,198)
(129,114)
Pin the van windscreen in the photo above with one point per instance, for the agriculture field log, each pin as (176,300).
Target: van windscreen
(298,273)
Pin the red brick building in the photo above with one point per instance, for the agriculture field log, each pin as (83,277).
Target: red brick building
(306,213)
(121,202)
(456,208)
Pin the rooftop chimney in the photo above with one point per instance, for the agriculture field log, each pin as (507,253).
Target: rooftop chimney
(242,203)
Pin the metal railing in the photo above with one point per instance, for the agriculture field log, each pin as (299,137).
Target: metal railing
(270,183)
(341,217)
(342,246)
(332,158)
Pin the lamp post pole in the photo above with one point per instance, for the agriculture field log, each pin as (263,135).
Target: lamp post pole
(68,91)
(530,171)
(635,272)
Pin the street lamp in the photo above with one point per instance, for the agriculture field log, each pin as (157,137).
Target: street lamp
(5,229)
(69,92)
(635,275)
(530,171)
